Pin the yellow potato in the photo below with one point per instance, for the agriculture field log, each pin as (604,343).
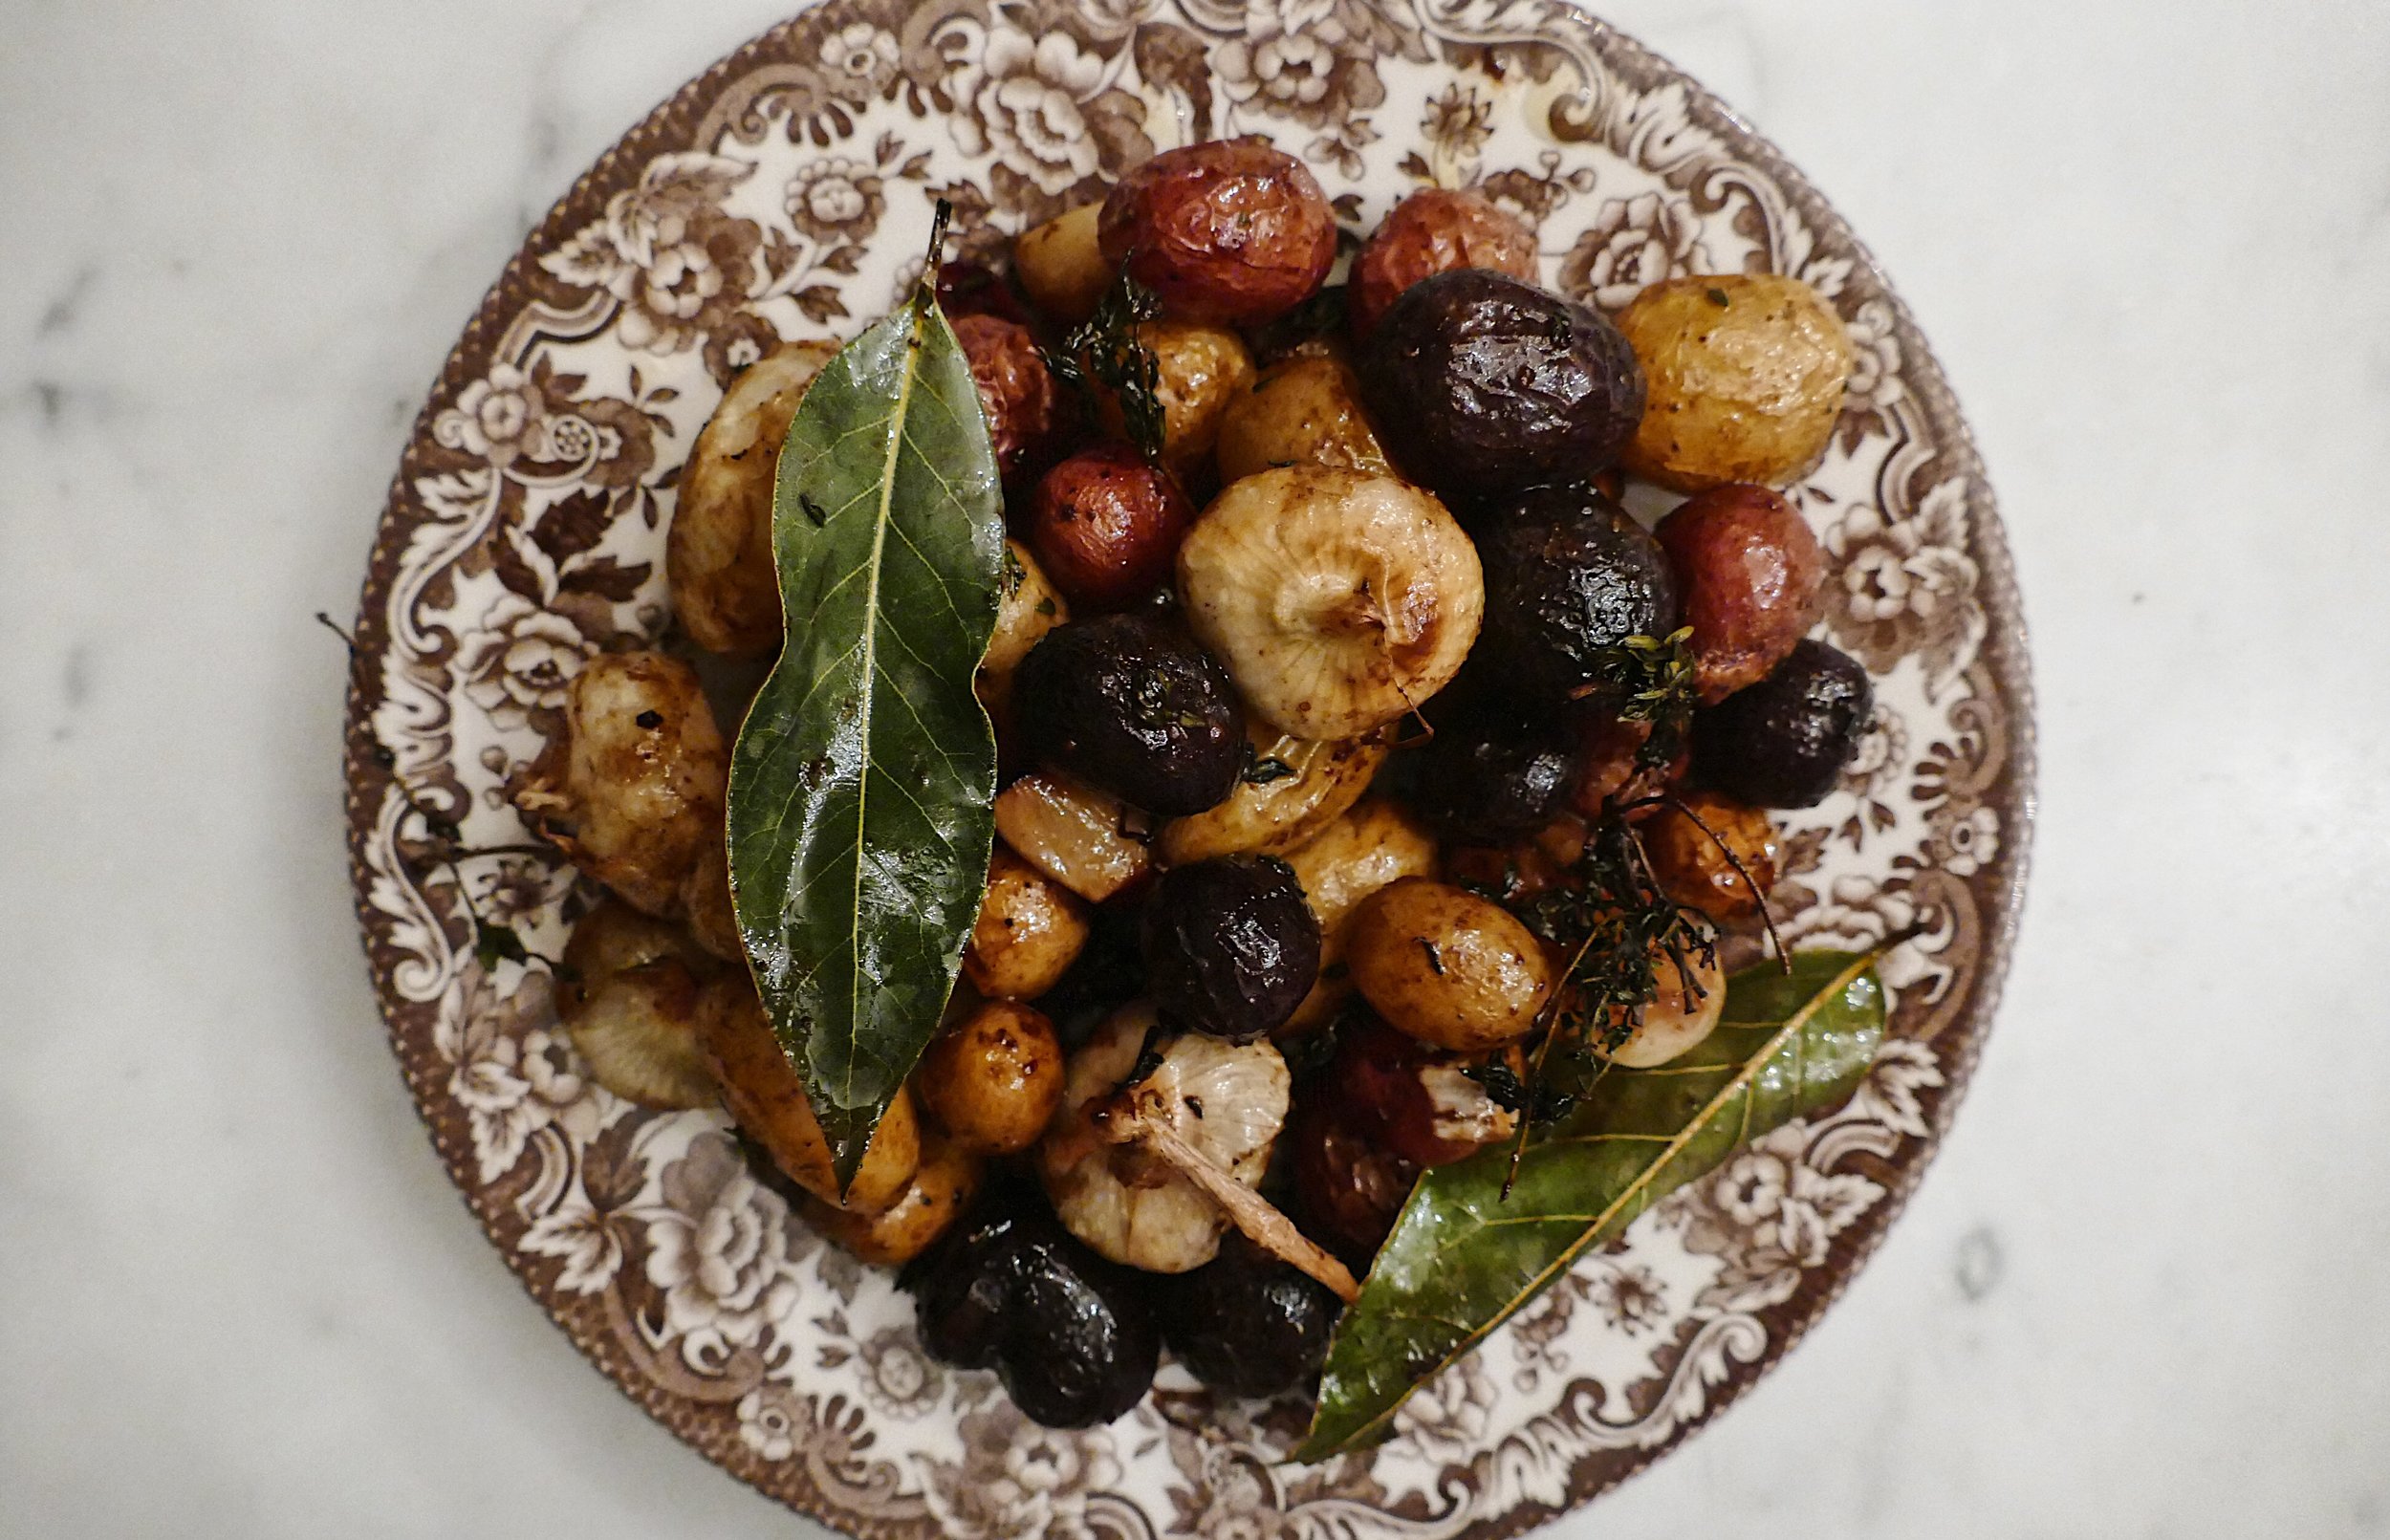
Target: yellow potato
(939,1191)
(1374,843)
(994,1079)
(1204,369)
(1745,375)
(1030,931)
(1062,266)
(1448,966)
(1304,411)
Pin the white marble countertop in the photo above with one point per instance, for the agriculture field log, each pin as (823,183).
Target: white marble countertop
(2141,1291)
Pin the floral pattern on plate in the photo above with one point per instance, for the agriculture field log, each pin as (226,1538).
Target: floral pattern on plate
(787,193)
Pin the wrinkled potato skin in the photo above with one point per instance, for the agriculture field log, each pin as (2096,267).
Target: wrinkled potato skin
(1272,817)
(1204,371)
(1744,391)
(764,1097)
(1434,230)
(1446,967)
(1232,232)
(1304,411)
(1017,393)
(941,1189)
(1061,263)
(1693,870)
(633,806)
(994,1079)
(1030,929)
(1106,526)
(1028,606)
(718,553)
(1752,576)
(1675,1021)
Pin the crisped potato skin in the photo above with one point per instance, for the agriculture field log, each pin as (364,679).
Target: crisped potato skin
(1693,870)
(1017,393)
(1446,967)
(633,788)
(993,1080)
(1750,574)
(1030,929)
(718,553)
(1232,232)
(1304,411)
(1745,375)
(1435,229)
(1106,526)
(1061,263)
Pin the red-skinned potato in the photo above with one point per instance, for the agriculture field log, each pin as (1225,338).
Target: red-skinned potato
(1434,230)
(1106,526)
(1693,870)
(1016,391)
(1233,232)
(1750,571)
(1348,1187)
(1417,1102)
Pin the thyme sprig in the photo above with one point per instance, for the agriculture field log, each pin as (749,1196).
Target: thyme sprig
(1651,679)
(1615,923)
(1106,353)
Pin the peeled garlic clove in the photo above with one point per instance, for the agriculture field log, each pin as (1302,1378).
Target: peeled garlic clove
(1338,600)
(1227,1100)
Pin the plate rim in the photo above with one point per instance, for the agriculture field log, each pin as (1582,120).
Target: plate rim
(2005,651)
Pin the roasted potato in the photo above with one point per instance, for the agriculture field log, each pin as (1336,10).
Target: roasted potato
(941,1189)
(1681,1015)
(1745,375)
(1448,966)
(1303,410)
(1202,370)
(1232,232)
(1028,606)
(1436,229)
(1294,788)
(1061,263)
(633,787)
(1030,929)
(993,1078)
(1692,869)
(718,552)
(1106,527)
(1017,393)
(1480,385)
(1377,842)
(1750,571)
(767,1100)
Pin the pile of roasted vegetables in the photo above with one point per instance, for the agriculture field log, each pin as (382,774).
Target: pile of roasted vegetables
(1371,794)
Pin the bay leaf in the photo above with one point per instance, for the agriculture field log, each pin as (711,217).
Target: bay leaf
(1462,1259)
(862,782)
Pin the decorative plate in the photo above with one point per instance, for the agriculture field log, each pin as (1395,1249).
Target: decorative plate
(788,192)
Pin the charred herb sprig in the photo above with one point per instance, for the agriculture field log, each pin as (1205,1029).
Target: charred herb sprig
(1104,351)
(1614,922)
(1651,679)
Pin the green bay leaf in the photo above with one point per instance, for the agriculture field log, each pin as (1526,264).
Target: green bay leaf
(863,781)
(1462,1259)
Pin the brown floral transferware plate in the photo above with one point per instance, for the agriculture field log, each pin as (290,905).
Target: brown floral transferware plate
(787,192)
